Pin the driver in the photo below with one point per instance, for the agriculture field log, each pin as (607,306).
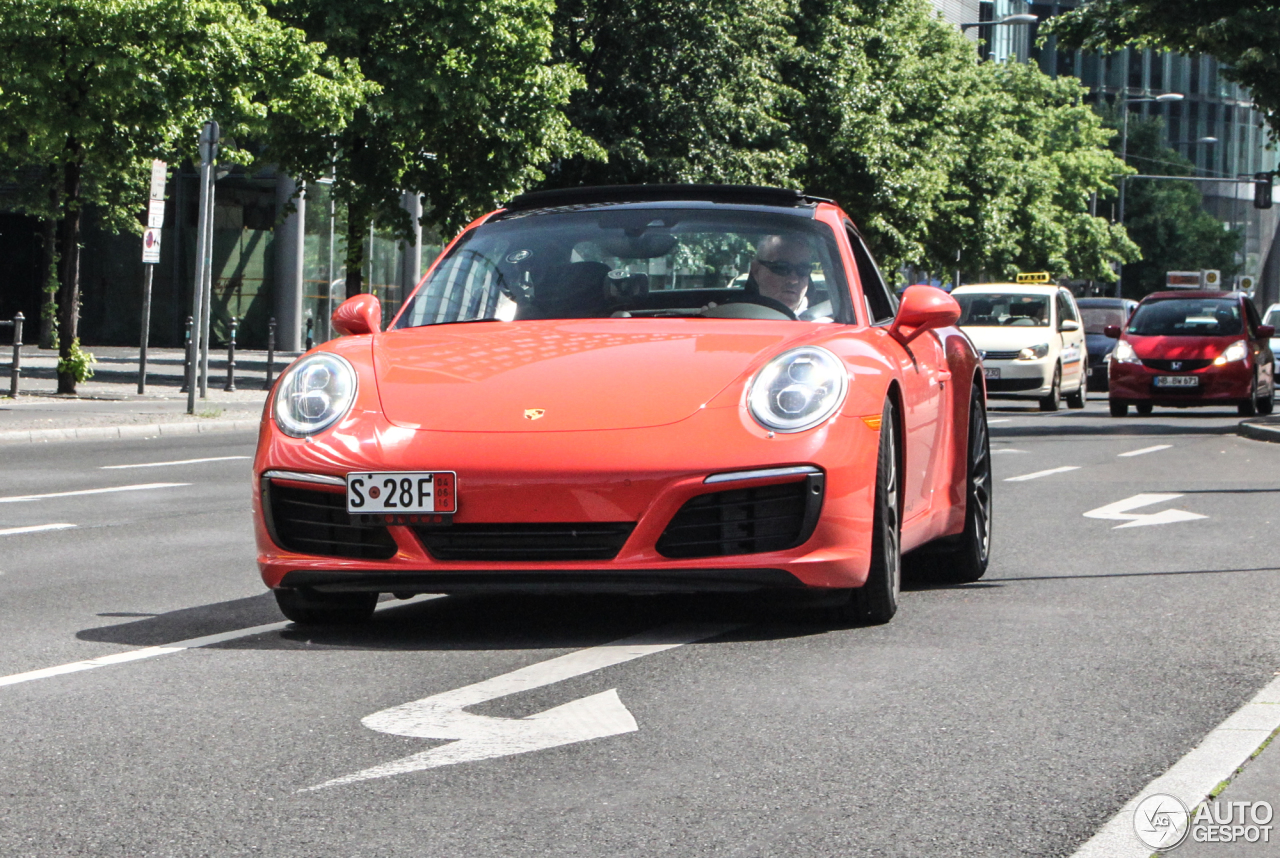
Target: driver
(781,269)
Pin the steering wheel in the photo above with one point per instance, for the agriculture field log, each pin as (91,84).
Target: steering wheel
(763,301)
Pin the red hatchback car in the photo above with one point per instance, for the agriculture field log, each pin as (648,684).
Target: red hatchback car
(1186,349)
(636,389)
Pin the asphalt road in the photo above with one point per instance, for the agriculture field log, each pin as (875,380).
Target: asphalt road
(1005,718)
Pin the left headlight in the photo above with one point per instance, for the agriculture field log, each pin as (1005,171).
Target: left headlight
(798,389)
(1034,352)
(314,394)
(1238,350)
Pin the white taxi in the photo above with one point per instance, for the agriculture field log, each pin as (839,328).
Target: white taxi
(1031,340)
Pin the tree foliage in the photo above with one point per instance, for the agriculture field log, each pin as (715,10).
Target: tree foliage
(468,106)
(1240,33)
(94,89)
(1166,218)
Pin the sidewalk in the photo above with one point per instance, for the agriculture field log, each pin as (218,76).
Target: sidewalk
(1261,428)
(108,405)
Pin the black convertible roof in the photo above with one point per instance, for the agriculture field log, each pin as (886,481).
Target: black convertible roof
(751,195)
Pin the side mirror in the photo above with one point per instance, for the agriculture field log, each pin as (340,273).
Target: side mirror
(1112,331)
(1266,332)
(359,315)
(1068,325)
(923,308)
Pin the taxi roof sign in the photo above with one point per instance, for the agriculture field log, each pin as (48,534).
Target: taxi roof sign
(1034,277)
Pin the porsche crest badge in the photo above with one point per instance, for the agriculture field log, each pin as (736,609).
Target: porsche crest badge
(534,413)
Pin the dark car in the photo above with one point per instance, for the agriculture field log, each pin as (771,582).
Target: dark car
(1097,313)
(1184,349)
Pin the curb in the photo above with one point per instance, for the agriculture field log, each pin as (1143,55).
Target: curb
(134,431)
(1259,431)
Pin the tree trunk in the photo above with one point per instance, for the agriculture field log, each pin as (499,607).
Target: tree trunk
(48,284)
(357,229)
(69,251)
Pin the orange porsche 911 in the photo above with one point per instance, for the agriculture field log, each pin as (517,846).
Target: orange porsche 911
(631,389)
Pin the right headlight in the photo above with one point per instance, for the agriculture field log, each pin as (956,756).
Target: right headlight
(314,394)
(1034,352)
(798,389)
(1124,353)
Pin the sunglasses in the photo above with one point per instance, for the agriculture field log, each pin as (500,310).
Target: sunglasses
(782,269)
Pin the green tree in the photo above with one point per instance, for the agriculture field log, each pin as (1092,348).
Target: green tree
(1032,157)
(678,91)
(1240,33)
(94,89)
(469,105)
(1166,218)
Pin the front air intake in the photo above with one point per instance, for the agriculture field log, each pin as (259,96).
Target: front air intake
(316,522)
(744,521)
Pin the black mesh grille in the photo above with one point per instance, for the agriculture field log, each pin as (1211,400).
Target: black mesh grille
(312,522)
(1003,385)
(999,355)
(1182,365)
(517,542)
(742,521)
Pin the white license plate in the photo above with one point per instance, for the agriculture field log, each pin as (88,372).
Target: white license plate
(402,492)
(992,371)
(1177,381)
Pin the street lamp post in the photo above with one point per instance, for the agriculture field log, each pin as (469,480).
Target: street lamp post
(1124,154)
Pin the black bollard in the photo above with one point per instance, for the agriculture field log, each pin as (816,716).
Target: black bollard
(271,350)
(186,357)
(310,322)
(16,370)
(231,356)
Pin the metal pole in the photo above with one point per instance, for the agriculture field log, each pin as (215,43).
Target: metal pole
(204,258)
(186,362)
(15,371)
(271,350)
(146,326)
(206,288)
(231,356)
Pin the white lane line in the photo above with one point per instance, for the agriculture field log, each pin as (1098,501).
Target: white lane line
(35,528)
(136,488)
(483,737)
(166,649)
(179,462)
(1007,450)
(1192,778)
(998,420)
(1157,448)
(1038,474)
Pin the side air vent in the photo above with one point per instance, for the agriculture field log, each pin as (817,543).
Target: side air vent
(744,521)
(315,522)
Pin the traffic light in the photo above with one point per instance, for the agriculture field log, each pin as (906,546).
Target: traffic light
(1262,190)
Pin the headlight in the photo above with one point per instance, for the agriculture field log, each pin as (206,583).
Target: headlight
(798,389)
(1034,352)
(314,394)
(1238,350)
(1124,353)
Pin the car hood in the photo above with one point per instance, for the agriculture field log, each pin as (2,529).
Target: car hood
(1180,348)
(1009,339)
(537,376)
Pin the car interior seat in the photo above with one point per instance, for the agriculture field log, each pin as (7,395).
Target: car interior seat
(570,291)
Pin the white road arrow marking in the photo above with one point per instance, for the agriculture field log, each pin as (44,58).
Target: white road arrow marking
(1120,511)
(481,737)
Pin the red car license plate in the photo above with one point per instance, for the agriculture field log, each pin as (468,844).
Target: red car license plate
(402,492)
(1177,381)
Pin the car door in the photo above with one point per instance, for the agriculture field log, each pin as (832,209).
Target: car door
(1073,351)
(924,379)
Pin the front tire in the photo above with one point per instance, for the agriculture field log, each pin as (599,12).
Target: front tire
(1053,401)
(1144,409)
(309,608)
(1080,397)
(1118,408)
(964,558)
(876,601)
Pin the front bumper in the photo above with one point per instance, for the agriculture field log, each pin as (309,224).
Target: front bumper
(638,478)
(1020,378)
(1228,384)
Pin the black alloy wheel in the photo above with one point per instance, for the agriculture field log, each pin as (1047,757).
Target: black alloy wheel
(1053,401)
(1249,408)
(310,608)
(963,559)
(876,601)
(1080,397)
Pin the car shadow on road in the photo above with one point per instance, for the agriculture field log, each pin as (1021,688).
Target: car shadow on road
(1149,426)
(481,622)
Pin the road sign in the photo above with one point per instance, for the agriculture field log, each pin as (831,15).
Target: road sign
(1211,278)
(1247,282)
(1034,277)
(151,246)
(155,214)
(1182,279)
(158,171)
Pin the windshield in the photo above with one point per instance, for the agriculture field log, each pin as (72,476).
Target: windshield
(1188,317)
(636,262)
(993,309)
(1097,318)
